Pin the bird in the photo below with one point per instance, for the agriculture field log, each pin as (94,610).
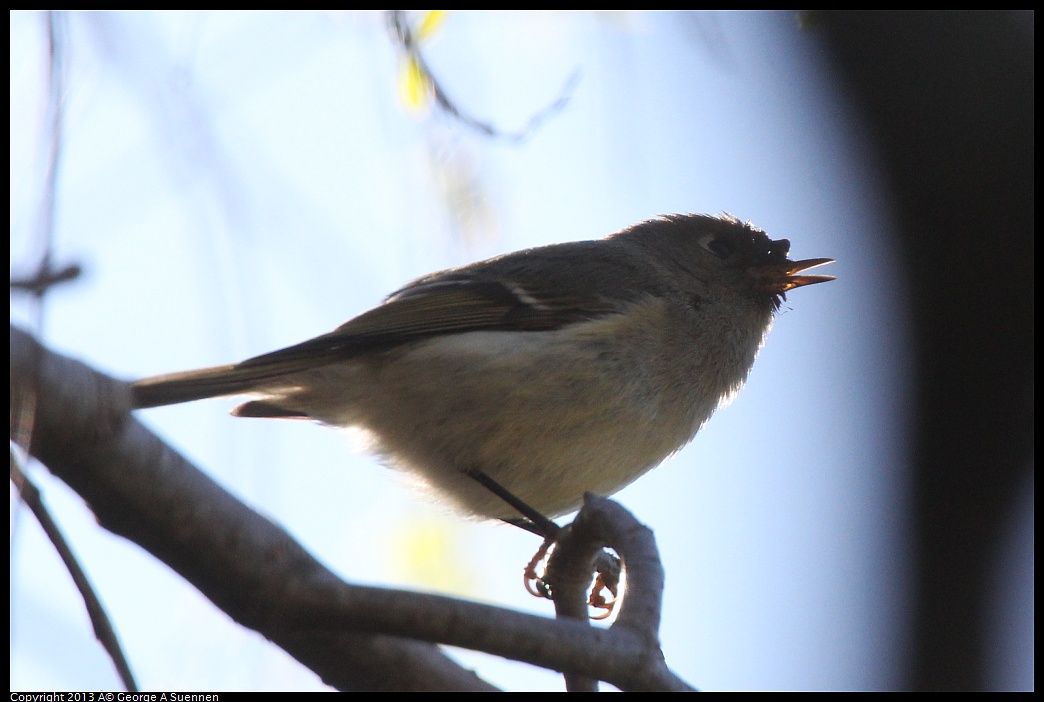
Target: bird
(537,375)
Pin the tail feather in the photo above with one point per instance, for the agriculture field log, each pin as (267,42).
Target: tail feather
(200,384)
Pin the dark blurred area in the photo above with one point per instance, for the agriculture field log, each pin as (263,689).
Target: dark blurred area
(948,100)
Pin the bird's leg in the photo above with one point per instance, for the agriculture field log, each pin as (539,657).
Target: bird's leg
(532,521)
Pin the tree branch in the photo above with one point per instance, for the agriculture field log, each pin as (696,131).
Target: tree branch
(140,488)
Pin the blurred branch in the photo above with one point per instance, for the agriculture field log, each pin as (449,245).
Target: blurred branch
(400,24)
(45,279)
(55,104)
(352,636)
(42,280)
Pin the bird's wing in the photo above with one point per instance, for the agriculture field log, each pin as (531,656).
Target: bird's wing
(536,290)
(433,308)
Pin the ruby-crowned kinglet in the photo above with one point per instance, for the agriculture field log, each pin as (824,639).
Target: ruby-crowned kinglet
(554,371)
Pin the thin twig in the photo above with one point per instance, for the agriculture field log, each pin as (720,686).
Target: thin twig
(400,23)
(103,628)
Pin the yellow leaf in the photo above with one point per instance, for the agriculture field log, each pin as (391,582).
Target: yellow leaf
(431,23)
(425,552)
(414,85)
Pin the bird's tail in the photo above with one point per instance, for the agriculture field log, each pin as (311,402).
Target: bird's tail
(197,385)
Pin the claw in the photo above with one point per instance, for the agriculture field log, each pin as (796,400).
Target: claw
(598,601)
(536,585)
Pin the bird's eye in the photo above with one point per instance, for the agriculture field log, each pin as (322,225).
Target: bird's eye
(720,247)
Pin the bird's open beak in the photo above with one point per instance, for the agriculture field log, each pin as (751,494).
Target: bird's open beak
(778,278)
